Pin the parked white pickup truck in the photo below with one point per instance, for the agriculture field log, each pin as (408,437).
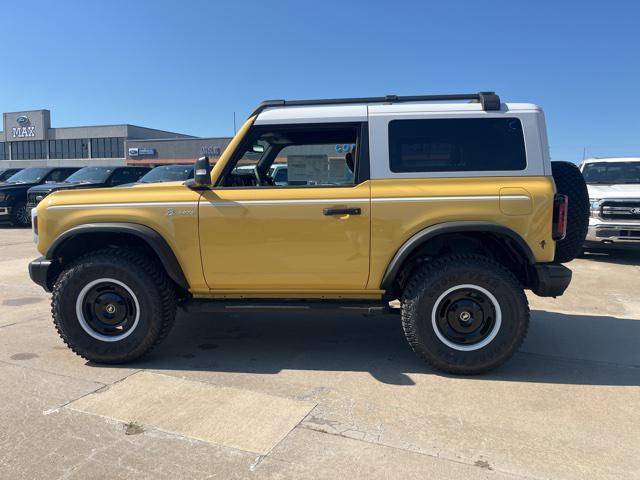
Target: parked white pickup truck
(614,194)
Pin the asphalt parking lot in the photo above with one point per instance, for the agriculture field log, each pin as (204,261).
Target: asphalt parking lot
(317,396)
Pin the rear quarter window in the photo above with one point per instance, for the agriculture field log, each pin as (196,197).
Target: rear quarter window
(456,145)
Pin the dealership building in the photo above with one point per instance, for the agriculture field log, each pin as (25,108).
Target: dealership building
(161,151)
(28,140)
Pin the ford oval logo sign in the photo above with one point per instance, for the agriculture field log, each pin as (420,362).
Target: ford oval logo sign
(22,119)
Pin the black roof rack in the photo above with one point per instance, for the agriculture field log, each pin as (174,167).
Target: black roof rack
(489,100)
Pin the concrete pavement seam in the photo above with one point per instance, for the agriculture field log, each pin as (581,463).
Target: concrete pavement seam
(437,457)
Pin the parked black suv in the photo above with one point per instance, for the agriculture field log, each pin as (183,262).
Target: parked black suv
(13,192)
(5,173)
(87,177)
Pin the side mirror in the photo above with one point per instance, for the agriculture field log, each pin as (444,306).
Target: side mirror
(202,172)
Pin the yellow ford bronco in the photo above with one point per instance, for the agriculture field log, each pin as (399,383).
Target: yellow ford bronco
(448,203)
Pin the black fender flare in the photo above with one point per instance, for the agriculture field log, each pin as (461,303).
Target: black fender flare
(152,238)
(428,233)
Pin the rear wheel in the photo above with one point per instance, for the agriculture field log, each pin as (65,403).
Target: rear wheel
(20,215)
(113,306)
(464,314)
(570,182)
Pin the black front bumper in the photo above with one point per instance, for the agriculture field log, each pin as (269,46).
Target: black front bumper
(551,279)
(39,272)
(5,212)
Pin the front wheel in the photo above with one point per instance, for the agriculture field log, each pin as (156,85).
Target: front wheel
(20,215)
(113,306)
(464,314)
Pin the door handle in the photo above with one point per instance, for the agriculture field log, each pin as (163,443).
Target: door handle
(342,211)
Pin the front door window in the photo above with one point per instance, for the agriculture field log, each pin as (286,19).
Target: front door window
(310,156)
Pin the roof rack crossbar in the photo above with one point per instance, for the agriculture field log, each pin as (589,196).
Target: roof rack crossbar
(488,100)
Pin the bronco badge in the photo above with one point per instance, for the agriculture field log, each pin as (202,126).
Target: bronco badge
(179,212)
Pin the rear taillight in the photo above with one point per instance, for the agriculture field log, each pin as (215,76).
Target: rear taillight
(560,210)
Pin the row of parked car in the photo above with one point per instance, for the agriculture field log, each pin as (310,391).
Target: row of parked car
(22,189)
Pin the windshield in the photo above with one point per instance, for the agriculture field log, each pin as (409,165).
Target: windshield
(168,173)
(612,172)
(4,174)
(29,175)
(90,175)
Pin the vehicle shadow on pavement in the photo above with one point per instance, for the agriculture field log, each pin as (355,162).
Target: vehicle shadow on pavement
(560,348)
(620,257)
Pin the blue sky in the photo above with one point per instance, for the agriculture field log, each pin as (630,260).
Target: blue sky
(187,66)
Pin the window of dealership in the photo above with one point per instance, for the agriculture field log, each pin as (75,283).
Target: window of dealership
(110,147)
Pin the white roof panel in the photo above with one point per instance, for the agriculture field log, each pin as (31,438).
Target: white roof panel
(313,114)
(358,112)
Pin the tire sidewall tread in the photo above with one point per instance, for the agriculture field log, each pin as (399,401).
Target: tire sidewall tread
(15,219)
(569,181)
(435,277)
(149,283)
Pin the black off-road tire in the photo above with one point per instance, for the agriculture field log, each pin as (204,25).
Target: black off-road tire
(150,286)
(432,281)
(569,181)
(20,217)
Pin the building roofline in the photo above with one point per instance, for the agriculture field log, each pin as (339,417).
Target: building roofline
(159,130)
(90,126)
(23,111)
(122,125)
(174,139)
(99,126)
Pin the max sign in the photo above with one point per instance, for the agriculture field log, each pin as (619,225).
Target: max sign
(24,129)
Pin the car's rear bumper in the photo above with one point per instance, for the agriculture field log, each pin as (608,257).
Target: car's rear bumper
(552,279)
(39,272)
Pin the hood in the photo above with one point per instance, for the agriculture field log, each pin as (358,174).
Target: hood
(51,187)
(614,191)
(5,187)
